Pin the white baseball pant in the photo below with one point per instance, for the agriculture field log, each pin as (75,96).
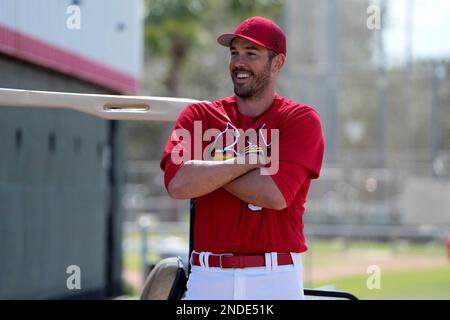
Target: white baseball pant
(271,282)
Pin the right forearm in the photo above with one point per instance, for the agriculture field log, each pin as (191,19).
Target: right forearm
(199,177)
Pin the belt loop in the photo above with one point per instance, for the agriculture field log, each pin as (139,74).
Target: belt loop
(200,259)
(296,259)
(206,259)
(268,262)
(191,261)
(274,258)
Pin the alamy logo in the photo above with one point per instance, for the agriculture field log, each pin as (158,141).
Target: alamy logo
(73,22)
(374,279)
(374,19)
(74,280)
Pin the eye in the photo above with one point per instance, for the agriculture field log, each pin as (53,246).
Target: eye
(233,53)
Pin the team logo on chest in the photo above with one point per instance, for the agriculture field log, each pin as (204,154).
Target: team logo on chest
(221,152)
(226,143)
(232,142)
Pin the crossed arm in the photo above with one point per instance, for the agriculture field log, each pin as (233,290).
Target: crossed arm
(199,177)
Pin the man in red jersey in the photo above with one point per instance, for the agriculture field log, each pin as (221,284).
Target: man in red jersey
(248,159)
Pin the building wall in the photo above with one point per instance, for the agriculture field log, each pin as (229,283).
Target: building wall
(60,178)
(101,41)
(108,34)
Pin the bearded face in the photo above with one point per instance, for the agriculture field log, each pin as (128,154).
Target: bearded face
(249,84)
(250,68)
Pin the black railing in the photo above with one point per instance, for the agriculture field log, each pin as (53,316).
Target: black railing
(329,294)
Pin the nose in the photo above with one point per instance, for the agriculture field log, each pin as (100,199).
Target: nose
(238,61)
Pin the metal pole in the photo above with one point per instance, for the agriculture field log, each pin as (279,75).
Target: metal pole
(144,223)
(381,92)
(438,73)
(408,84)
(332,78)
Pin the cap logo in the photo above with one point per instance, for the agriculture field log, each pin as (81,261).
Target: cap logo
(247,24)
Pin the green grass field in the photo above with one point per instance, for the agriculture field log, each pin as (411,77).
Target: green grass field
(430,283)
(410,282)
(133,262)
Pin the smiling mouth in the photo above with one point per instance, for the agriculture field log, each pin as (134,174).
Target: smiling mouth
(242,76)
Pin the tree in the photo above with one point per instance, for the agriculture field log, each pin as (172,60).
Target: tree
(172,29)
(182,58)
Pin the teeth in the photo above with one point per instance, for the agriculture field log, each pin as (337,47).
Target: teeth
(242,75)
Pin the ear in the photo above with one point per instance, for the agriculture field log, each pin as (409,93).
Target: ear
(278,62)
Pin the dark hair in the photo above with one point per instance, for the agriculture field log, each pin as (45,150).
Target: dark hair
(272,54)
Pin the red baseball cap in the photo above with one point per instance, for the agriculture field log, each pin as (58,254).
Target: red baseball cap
(259,30)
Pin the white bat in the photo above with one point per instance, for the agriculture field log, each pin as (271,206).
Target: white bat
(110,107)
